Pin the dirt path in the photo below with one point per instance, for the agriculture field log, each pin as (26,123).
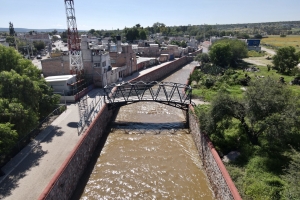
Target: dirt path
(269,51)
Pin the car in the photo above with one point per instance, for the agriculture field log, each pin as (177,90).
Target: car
(38,57)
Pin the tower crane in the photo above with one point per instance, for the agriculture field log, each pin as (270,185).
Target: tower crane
(75,57)
(76,64)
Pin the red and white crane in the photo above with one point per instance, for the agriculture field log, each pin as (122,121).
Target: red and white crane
(76,64)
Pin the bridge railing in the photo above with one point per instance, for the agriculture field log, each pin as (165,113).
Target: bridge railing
(164,92)
(90,112)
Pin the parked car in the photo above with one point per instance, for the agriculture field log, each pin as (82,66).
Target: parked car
(38,57)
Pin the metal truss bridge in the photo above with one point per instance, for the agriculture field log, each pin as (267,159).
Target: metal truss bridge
(169,93)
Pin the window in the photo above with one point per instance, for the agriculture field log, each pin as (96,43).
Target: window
(103,63)
(97,65)
(112,61)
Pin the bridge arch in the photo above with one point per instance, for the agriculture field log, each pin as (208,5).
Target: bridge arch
(174,94)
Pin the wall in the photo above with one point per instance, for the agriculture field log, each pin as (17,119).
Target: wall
(217,174)
(64,182)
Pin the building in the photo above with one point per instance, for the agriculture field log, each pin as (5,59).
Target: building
(253,45)
(61,84)
(3,42)
(100,65)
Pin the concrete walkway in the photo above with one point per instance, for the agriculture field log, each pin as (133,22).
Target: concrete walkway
(29,172)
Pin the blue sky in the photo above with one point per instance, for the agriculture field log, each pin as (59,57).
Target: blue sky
(113,14)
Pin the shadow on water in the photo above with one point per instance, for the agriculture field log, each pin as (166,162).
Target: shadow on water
(89,168)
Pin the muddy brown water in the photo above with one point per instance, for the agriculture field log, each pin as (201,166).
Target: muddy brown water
(148,154)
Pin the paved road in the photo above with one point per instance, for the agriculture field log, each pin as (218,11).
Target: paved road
(29,172)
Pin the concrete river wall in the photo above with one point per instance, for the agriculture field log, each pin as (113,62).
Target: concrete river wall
(65,180)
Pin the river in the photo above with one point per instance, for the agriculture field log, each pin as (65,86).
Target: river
(148,154)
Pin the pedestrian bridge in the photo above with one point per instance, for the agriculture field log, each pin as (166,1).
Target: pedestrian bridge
(174,94)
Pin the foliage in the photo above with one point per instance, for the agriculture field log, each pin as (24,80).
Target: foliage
(203,58)
(292,177)
(8,137)
(25,97)
(55,38)
(10,40)
(142,34)
(220,54)
(268,109)
(286,59)
(227,52)
(39,45)
(253,53)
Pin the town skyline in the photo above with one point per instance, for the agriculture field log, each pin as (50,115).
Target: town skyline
(90,14)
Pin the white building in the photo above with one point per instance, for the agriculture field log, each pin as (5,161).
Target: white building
(61,84)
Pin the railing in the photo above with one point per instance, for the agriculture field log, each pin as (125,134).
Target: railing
(34,132)
(90,113)
(173,94)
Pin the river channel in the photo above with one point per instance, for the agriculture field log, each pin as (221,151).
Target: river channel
(148,154)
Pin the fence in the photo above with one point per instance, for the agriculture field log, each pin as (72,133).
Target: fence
(34,132)
(90,112)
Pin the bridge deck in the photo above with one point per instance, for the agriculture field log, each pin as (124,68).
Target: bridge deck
(163,92)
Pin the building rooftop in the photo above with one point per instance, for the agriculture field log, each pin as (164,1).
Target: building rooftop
(143,59)
(59,78)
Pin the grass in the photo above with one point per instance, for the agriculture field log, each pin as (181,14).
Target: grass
(258,172)
(256,54)
(275,41)
(237,90)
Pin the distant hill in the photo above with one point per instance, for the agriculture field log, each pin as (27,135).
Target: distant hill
(25,30)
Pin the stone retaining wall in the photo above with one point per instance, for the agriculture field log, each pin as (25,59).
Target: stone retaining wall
(165,70)
(64,182)
(221,183)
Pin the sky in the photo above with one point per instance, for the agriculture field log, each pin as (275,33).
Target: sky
(118,14)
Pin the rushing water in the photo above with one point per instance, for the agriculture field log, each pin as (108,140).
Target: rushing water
(149,154)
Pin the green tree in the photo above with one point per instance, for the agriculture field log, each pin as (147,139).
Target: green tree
(92,31)
(142,34)
(220,54)
(268,109)
(25,97)
(8,137)
(39,45)
(292,177)
(286,59)
(10,40)
(55,38)
(203,58)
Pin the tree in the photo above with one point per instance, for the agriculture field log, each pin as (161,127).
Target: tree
(142,34)
(92,31)
(25,97)
(55,38)
(10,40)
(268,109)
(8,137)
(39,45)
(286,59)
(203,58)
(227,52)
(11,29)
(293,177)
(220,54)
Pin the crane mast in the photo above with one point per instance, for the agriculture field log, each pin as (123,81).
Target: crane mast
(76,64)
